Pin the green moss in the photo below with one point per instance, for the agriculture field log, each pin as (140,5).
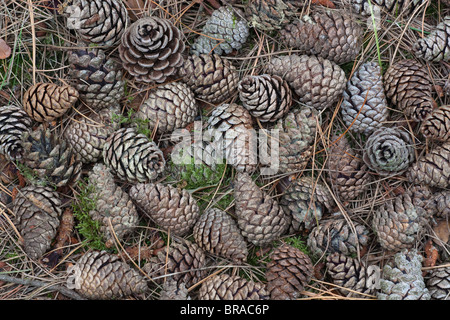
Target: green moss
(142,125)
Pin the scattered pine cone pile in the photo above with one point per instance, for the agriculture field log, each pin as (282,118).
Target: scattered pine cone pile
(228,150)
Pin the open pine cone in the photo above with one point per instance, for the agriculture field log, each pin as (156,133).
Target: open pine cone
(369,7)
(437,125)
(435,46)
(268,15)
(14,122)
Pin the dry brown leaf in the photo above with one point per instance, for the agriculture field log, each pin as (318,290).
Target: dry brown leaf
(5,50)
(432,254)
(442,230)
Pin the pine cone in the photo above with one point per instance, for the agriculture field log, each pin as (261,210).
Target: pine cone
(364,107)
(210,77)
(37,212)
(169,207)
(305,201)
(98,79)
(151,49)
(101,22)
(87,134)
(132,156)
(171,291)
(437,125)
(389,151)
(14,122)
(216,232)
(406,7)
(435,46)
(422,197)
(297,133)
(169,107)
(259,217)
(348,273)
(432,169)
(48,101)
(266,97)
(402,278)
(408,85)
(103,276)
(288,272)
(337,236)
(332,35)
(349,175)
(182,262)
(441,202)
(114,208)
(232,124)
(438,283)
(226,287)
(318,82)
(51,158)
(268,15)
(223,32)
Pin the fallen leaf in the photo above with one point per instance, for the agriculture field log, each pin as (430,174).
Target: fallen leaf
(325,3)
(442,230)
(432,254)
(5,50)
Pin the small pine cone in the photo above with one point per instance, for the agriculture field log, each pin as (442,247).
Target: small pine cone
(389,151)
(169,107)
(318,82)
(216,232)
(226,287)
(51,158)
(169,207)
(398,222)
(348,273)
(260,218)
(232,124)
(99,275)
(435,46)
(438,283)
(366,7)
(305,201)
(48,101)
(211,78)
(297,133)
(151,49)
(37,212)
(288,272)
(114,208)
(101,22)
(268,15)
(172,291)
(132,156)
(87,135)
(332,35)
(337,236)
(408,86)
(98,78)
(266,97)
(422,197)
(432,169)
(14,122)
(226,25)
(441,201)
(437,125)
(364,107)
(349,175)
(402,278)
(183,262)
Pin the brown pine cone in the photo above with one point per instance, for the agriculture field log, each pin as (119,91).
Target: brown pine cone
(151,49)
(216,232)
(14,122)
(98,275)
(169,207)
(438,283)
(211,78)
(226,287)
(441,203)
(182,262)
(268,15)
(333,35)
(364,107)
(435,46)
(37,212)
(318,82)
(433,168)
(132,156)
(337,236)
(266,97)
(288,272)
(169,107)
(349,175)
(114,208)
(47,101)
(408,86)
(259,216)
(437,125)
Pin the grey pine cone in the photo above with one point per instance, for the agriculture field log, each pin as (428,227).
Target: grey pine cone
(438,283)
(14,122)
(268,15)
(435,46)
